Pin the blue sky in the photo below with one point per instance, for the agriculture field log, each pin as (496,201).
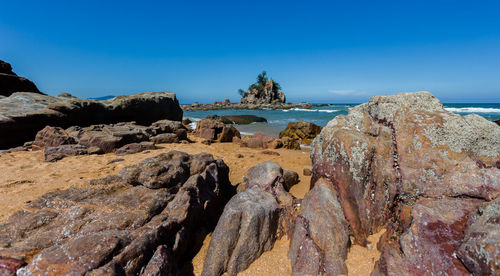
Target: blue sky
(319,51)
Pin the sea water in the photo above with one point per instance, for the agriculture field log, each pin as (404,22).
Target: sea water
(278,119)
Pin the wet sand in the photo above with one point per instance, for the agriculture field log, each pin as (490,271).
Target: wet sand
(25,176)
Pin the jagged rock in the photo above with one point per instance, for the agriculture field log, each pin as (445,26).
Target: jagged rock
(113,227)
(479,251)
(302,131)
(23,114)
(216,130)
(320,238)
(52,154)
(307,172)
(10,82)
(289,143)
(52,137)
(135,148)
(387,154)
(250,222)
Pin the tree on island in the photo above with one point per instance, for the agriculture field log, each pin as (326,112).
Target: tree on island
(264,91)
(260,85)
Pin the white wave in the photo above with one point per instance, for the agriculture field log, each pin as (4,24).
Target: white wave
(311,110)
(473,110)
(192,125)
(246,133)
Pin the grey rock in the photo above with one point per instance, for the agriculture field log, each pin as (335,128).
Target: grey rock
(52,154)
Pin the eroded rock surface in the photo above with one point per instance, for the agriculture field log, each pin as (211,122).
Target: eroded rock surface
(302,131)
(147,219)
(216,130)
(404,162)
(23,114)
(251,222)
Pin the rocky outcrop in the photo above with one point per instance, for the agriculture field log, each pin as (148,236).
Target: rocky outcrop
(121,138)
(22,115)
(269,94)
(251,221)
(10,82)
(216,130)
(221,105)
(131,223)
(302,132)
(405,163)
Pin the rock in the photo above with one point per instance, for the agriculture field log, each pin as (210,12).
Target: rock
(113,227)
(165,138)
(166,126)
(402,156)
(207,142)
(186,121)
(276,144)
(250,222)
(239,155)
(290,179)
(430,242)
(307,172)
(109,137)
(497,122)
(9,266)
(258,140)
(320,239)
(135,148)
(479,249)
(302,131)
(52,154)
(270,152)
(10,82)
(289,143)
(215,130)
(52,137)
(242,119)
(23,114)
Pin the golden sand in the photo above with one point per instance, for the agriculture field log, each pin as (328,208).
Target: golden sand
(24,176)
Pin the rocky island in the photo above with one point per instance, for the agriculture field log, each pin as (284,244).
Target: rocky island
(264,93)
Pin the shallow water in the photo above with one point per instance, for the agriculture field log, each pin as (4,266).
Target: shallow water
(277,120)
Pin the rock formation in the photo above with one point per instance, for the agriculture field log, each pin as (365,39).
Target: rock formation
(22,115)
(303,132)
(10,82)
(214,130)
(264,91)
(405,163)
(150,219)
(121,138)
(251,221)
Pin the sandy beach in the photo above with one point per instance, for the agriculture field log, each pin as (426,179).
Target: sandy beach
(26,176)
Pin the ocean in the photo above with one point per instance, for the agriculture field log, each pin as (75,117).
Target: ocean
(277,120)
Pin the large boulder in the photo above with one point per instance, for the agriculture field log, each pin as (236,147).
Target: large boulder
(388,155)
(22,115)
(10,82)
(251,222)
(113,227)
(242,119)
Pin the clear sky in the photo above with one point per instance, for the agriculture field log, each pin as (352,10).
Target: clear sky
(319,51)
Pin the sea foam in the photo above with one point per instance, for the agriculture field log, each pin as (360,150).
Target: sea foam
(473,110)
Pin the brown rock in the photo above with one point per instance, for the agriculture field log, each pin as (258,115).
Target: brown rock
(320,239)
(289,143)
(215,130)
(113,227)
(302,131)
(52,137)
(307,172)
(9,266)
(10,82)
(135,148)
(479,250)
(165,138)
(52,154)
(258,140)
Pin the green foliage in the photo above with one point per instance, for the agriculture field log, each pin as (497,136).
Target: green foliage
(260,85)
